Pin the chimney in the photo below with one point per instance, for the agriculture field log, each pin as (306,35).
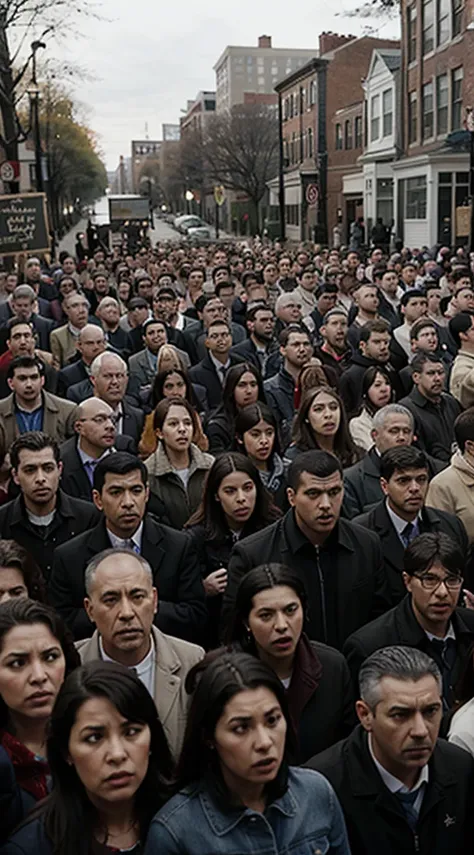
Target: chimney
(264,41)
(330,41)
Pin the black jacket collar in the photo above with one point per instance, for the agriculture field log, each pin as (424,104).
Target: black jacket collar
(296,540)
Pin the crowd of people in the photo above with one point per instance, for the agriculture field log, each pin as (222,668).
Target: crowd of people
(236,567)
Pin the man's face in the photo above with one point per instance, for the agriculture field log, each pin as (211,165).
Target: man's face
(290,311)
(226,296)
(366,298)
(308,280)
(256,293)
(347,284)
(155,336)
(334,332)
(22,307)
(376,256)
(213,310)
(11,281)
(123,501)
(326,302)
(69,266)
(437,602)
(122,604)
(97,425)
(434,299)
(195,281)
(284,267)
(90,344)
(298,349)
(219,339)
(464,299)
(317,502)
(389,283)
(405,723)
(33,272)
(352,262)
(270,274)
(416,308)
(220,257)
(37,475)
(221,275)
(409,275)
(101,285)
(396,430)
(21,341)
(430,381)
(263,325)
(145,288)
(77,310)
(138,317)
(427,339)
(164,307)
(406,490)
(110,313)
(377,347)
(26,383)
(111,382)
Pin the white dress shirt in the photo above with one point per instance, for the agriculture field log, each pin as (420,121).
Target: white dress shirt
(395,785)
(145,670)
(136,539)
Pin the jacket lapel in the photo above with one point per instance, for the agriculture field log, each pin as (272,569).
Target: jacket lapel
(152,548)
(392,546)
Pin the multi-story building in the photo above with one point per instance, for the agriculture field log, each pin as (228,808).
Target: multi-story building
(244,71)
(141,151)
(197,112)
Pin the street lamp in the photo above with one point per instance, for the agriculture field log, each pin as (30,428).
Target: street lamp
(470,128)
(34,95)
(189,196)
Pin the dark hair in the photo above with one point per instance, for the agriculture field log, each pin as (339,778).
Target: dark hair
(118,463)
(151,322)
(412,293)
(461,323)
(21,611)
(34,440)
(255,308)
(421,324)
(166,291)
(400,458)
(325,288)
(24,362)
(250,416)
(321,464)
(367,382)
(70,820)
(422,358)
(219,322)
(460,273)
(430,548)
(232,378)
(13,555)
(464,428)
(210,513)
(303,435)
(259,579)
(217,269)
(137,303)
(378,326)
(224,678)
(292,328)
(221,285)
(162,409)
(15,322)
(157,393)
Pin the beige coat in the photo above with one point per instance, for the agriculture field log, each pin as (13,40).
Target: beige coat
(452,490)
(360,430)
(174,659)
(461,382)
(63,345)
(58,420)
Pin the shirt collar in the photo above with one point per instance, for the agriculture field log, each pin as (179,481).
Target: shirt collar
(142,666)
(219,365)
(391,782)
(86,458)
(450,634)
(399,524)
(136,538)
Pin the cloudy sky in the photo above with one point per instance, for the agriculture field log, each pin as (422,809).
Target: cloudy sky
(148,58)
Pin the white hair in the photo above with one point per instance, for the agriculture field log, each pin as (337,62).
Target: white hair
(96,364)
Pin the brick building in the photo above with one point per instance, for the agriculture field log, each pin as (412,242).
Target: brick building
(197,112)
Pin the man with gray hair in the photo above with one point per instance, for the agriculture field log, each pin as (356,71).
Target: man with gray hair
(25,304)
(393,426)
(108,312)
(402,790)
(122,602)
(109,378)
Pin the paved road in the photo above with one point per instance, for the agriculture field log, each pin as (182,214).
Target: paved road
(68,243)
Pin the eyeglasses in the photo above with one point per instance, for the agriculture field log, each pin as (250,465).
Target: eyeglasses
(430,582)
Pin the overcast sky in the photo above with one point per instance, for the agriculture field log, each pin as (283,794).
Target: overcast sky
(149,58)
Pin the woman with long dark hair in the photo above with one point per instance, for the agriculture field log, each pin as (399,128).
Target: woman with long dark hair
(321,423)
(173,383)
(234,505)
(267,621)
(377,392)
(236,791)
(20,576)
(110,765)
(256,435)
(36,653)
(243,386)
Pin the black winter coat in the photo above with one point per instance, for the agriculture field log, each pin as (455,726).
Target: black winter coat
(434,423)
(350,384)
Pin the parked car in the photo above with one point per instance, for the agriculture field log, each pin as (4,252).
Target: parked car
(198,233)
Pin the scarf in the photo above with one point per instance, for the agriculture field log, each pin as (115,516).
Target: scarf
(30,771)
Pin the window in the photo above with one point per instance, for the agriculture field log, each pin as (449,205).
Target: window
(428,26)
(385,199)
(456,99)
(387,112)
(302,100)
(338,137)
(428,111)
(358,132)
(293,215)
(348,134)
(415,205)
(375,118)
(411,32)
(312,93)
(286,109)
(443,21)
(456,23)
(310,143)
(412,117)
(442,104)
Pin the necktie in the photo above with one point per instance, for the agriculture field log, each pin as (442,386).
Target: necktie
(444,654)
(133,546)
(223,372)
(408,804)
(89,466)
(408,533)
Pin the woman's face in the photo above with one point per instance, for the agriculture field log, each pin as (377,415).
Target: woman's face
(177,429)
(174,386)
(124,291)
(258,441)
(250,738)
(237,495)
(32,668)
(109,753)
(324,414)
(276,622)
(12,584)
(246,391)
(380,391)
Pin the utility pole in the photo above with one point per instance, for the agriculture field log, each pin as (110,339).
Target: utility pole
(470,128)
(34,95)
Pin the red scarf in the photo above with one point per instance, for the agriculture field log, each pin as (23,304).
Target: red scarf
(30,773)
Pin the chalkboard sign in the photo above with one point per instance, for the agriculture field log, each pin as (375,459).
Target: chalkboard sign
(23,224)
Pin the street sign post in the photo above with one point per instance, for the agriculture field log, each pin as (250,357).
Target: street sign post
(10,170)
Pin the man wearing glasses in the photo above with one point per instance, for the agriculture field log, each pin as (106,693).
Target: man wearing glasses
(428,618)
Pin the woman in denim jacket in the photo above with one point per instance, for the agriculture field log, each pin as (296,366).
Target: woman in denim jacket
(236,793)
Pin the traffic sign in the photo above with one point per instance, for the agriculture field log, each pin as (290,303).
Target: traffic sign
(10,170)
(312,194)
(219,194)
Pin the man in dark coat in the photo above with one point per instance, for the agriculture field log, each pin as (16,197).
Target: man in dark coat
(373,349)
(42,517)
(434,411)
(121,492)
(296,349)
(400,787)
(402,515)
(340,563)
(211,371)
(428,617)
